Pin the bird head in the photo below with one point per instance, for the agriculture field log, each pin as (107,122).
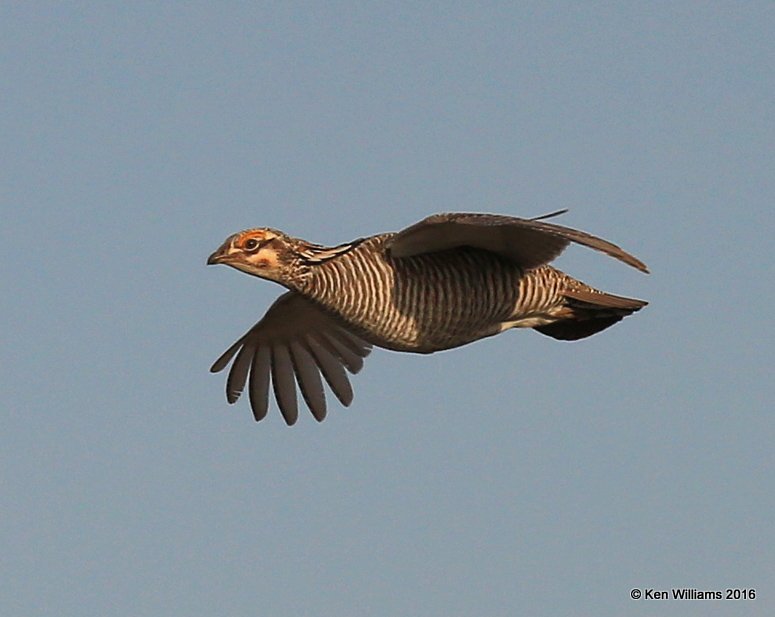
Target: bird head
(266,253)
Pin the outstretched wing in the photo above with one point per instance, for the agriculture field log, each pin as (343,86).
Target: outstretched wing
(528,242)
(295,342)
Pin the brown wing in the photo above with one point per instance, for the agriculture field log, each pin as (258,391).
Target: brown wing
(294,343)
(528,242)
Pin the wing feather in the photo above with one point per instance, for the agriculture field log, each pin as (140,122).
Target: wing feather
(258,390)
(284,384)
(223,361)
(345,354)
(308,377)
(238,375)
(528,242)
(295,342)
(332,370)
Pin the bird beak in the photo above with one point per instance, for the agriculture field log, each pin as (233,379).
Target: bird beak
(219,256)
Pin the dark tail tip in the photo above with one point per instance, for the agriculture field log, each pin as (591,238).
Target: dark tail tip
(573,330)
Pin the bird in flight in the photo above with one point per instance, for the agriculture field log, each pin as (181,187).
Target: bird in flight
(446,281)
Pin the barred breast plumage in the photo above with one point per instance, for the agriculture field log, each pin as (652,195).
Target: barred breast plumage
(449,280)
(424,304)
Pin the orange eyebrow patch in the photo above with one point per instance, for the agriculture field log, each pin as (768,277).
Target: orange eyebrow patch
(255,234)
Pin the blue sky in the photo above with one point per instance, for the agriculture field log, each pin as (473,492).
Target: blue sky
(518,475)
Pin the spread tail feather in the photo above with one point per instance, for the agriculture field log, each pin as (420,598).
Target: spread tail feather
(588,311)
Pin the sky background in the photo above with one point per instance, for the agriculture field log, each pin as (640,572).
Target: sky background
(517,475)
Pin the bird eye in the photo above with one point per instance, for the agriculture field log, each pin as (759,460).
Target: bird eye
(251,244)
